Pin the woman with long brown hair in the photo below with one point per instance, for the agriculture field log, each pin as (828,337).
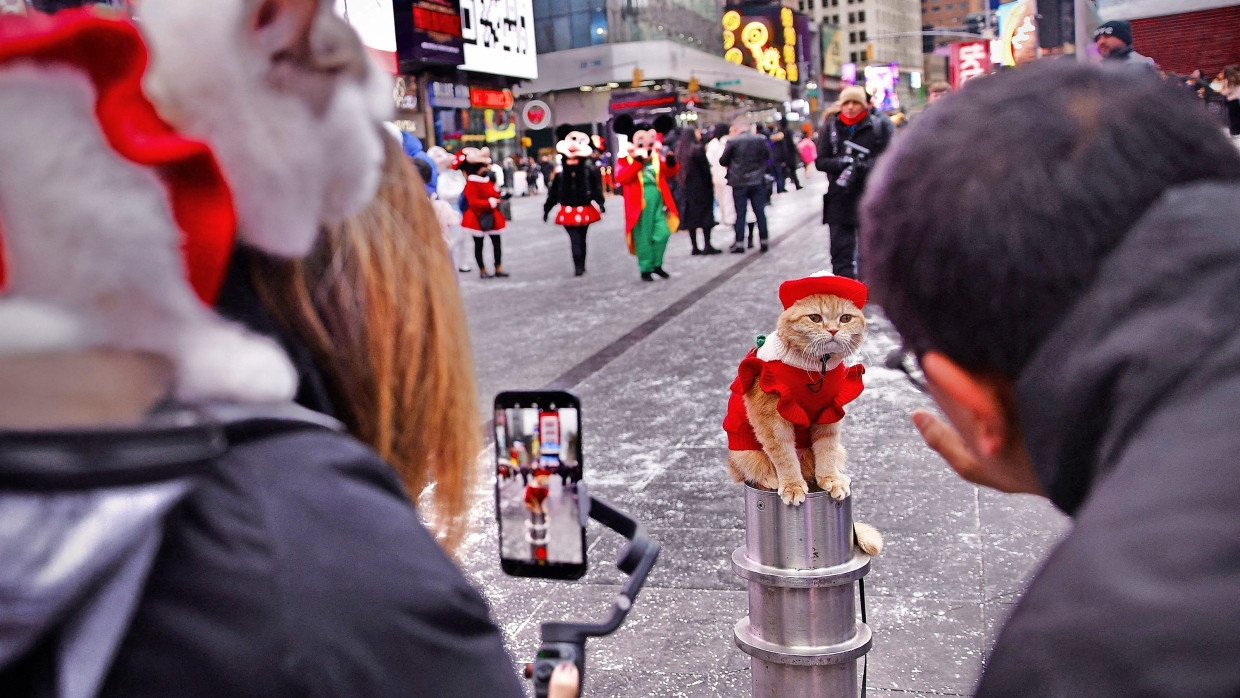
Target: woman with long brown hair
(373,320)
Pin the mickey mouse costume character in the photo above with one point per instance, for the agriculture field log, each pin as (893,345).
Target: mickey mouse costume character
(578,189)
(802,402)
(481,212)
(650,215)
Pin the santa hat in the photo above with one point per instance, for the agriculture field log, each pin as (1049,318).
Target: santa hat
(111,54)
(823,282)
(542,472)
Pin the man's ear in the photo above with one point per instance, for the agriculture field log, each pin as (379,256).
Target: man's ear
(979,405)
(280,25)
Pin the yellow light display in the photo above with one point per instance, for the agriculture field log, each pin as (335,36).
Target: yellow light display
(768,43)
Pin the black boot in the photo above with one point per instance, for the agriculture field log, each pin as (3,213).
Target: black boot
(662,274)
(646,276)
(693,241)
(750,242)
(706,246)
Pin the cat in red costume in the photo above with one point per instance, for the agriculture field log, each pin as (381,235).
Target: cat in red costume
(783,419)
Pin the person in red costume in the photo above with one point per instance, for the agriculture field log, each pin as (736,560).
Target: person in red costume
(650,215)
(537,493)
(482,214)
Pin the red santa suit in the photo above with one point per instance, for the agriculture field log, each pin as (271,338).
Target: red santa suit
(481,196)
(804,400)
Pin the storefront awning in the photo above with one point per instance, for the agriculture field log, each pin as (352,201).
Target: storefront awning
(658,60)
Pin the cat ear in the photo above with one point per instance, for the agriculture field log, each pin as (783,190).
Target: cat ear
(279,25)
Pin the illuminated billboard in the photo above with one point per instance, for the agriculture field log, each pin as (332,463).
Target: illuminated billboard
(499,37)
(769,39)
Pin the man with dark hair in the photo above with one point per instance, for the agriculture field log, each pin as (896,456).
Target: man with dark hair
(1114,42)
(1065,270)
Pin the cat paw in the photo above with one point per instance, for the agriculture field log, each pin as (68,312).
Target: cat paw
(225,362)
(793,492)
(837,485)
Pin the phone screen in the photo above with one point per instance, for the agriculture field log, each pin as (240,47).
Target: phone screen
(538,468)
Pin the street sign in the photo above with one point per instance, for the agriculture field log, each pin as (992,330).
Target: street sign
(725,83)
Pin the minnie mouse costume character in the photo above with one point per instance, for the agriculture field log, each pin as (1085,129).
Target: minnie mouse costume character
(650,215)
(577,187)
(481,211)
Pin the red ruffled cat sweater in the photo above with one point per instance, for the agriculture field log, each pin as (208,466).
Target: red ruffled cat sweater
(803,399)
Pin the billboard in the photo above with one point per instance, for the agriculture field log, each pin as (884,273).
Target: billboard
(499,37)
(375,22)
(832,50)
(769,39)
(880,85)
(1018,32)
(968,60)
(428,32)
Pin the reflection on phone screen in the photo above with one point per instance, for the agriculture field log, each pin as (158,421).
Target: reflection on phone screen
(538,468)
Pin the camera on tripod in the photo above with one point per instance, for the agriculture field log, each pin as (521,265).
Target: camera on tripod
(855,154)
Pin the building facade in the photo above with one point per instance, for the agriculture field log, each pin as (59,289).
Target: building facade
(1182,35)
(873,33)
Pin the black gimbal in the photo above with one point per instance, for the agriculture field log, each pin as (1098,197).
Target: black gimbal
(566,641)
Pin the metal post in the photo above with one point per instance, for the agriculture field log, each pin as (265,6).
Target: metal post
(1080,29)
(802,632)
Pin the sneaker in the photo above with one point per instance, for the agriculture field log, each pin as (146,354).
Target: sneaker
(646,276)
(763,247)
(712,250)
(500,274)
(482,274)
(738,248)
(658,271)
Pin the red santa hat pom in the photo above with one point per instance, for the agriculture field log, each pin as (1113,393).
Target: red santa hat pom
(823,282)
(111,54)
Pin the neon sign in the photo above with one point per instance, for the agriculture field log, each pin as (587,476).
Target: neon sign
(765,41)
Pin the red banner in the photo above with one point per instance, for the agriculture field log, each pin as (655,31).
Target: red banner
(969,59)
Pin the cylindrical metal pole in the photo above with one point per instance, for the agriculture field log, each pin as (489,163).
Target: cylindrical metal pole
(1080,28)
(802,632)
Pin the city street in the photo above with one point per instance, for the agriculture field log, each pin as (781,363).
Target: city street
(652,363)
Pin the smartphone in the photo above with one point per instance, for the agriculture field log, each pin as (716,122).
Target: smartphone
(538,469)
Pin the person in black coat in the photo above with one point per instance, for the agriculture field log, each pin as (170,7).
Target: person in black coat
(695,194)
(1073,306)
(578,189)
(847,169)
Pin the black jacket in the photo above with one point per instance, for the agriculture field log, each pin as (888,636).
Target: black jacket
(290,565)
(1131,413)
(746,156)
(575,185)
(874,132)
(695,197)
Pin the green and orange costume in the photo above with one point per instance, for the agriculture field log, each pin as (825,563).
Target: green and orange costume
(650,215)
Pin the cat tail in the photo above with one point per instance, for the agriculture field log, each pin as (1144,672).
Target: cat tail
(868,539)
(28,326)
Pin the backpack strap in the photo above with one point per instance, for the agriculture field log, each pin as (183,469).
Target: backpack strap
(175,441)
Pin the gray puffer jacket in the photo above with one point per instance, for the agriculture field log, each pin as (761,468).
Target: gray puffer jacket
(1131,411)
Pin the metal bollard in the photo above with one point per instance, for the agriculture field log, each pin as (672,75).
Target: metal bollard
(802,632)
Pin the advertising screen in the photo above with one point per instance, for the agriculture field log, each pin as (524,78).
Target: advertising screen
(769,39)
(499,37)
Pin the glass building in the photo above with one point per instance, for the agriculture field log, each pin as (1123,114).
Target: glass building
(560,25)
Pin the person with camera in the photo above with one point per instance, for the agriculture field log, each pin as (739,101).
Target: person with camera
(848,144)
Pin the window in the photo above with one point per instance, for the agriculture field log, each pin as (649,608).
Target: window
(811,4)
(852,37)
(861,36)
(835,20)
(852,17)
(860,15)
(852,57)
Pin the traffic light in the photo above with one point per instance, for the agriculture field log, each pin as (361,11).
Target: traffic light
(869,52)
(694,85)
(927,41)
(975,23)
(638,76)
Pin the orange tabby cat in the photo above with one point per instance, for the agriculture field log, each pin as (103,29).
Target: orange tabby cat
(783,420)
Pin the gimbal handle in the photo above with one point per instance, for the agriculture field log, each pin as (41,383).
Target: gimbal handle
(563,641)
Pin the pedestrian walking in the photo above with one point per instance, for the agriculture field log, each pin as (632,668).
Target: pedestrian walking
(577,188)
(482,214)
(695,193)
(724,206)
(1231,92)
(1114,42)
(1042,314)
(848,145)
(746,157)
(450,187)
(808,152)
(788,159)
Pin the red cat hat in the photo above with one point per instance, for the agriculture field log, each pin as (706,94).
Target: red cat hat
(111,54)
(823,282)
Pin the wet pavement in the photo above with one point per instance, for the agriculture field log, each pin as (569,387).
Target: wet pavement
(652,363)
